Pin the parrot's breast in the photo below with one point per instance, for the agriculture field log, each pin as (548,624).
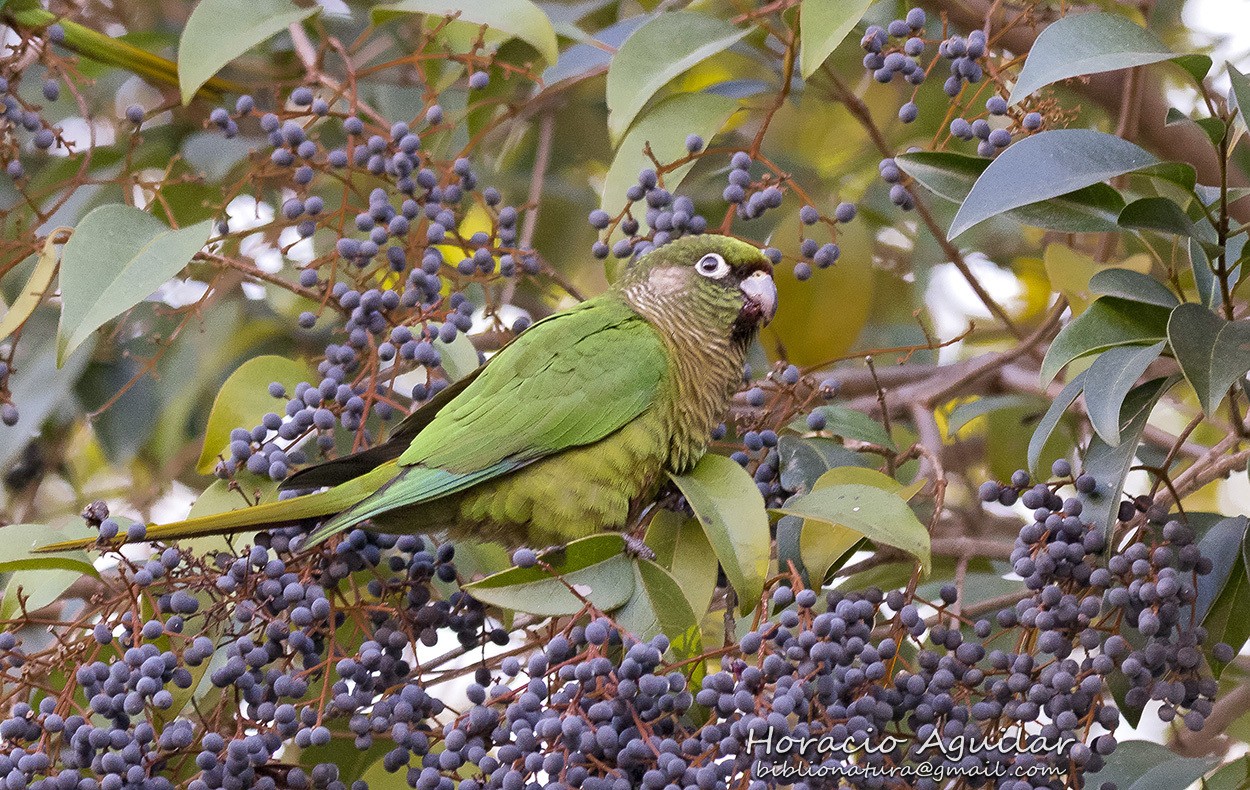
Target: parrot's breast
(576,493)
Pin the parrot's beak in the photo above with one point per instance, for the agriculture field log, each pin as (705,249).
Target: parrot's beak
(761,293)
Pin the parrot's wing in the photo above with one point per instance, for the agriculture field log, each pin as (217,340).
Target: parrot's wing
(340,470)
(568,381)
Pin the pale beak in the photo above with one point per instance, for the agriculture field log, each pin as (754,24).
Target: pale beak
(761,293)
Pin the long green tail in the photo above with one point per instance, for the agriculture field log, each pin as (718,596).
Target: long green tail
(247,519)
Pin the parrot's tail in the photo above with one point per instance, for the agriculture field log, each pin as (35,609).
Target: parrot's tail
(285,511)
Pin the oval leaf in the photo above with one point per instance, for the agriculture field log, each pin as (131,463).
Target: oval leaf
(821,543)
(851,424)
(1145,765)
(596,567)
(17,542)
(823,24)
(116,258)
(968,411)
(881,516)
(1131,285)
(805,459)
(1090,43)
(1110,465)
(1223,544)
(681,546)
(658,606)
(218,31)
(1050,420)
(519,18)
(1240,93)
(1044,166)
(657,52)
(1159,214)
(664,128)
(1110,378)
(244,399)
(1091,209)
(1213,353)
(38,589)
(1109,321)
(731,510)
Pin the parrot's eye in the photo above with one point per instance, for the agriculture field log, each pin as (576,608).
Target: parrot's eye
(712,265)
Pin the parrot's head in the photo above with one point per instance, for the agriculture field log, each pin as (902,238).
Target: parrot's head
(706,278)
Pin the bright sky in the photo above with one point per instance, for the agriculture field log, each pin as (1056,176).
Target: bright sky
(1226,23)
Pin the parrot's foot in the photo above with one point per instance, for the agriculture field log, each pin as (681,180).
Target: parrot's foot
(634,547)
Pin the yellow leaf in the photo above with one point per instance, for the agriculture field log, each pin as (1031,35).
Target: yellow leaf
(33,291)
(820,319)
(1070,270)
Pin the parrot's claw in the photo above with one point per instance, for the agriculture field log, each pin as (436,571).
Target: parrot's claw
(636,548)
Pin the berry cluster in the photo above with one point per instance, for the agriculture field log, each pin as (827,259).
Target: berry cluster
(887,58)
(409,228)
(267,629)
(302,647)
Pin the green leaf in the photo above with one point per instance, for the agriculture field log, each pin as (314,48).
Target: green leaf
(1230,776)
(1109,321)
(218,31)
(1110,465)
(519,18)
(1224,617)
(731,510)
(1212,127)
(39,587)
(851,424)
(657,52)
(1134,286)
(681,546)
(117,257)
(965,413)
(594,53)
(17,541)
(664,128)
(880,516)
(244,399)
(458,358)
(822,543)
(1241,94)
(1044,166)
(114,51)
(39,387)
(1112,375)
(595,567)
(823,24)
(1159,214)
(805,459)
(1145,765)
(1091,209)
(1204,276)
(1091,43)
(658,606)
(1213,353)
(32,292)
(1222,543)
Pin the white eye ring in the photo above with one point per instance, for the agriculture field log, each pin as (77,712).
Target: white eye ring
(712,265)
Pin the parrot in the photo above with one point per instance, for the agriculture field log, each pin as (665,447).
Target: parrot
(569,430)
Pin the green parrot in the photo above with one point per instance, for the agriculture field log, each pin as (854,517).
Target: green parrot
(567,431)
